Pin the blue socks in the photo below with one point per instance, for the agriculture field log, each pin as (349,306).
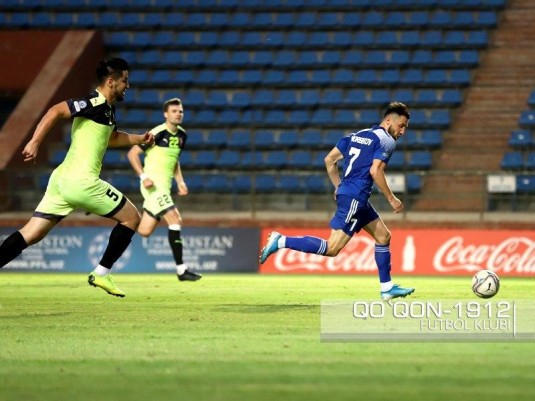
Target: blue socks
(382,258)
(307,244)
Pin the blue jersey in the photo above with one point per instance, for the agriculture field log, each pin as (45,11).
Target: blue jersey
(359,150)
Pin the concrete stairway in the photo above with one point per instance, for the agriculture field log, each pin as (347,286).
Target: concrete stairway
(478,137)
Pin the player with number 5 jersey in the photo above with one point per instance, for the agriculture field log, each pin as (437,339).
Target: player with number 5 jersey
(365,155)
(75,183)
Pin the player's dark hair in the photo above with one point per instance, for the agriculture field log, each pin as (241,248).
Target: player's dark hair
(397,108)
(171,102)
(111,67)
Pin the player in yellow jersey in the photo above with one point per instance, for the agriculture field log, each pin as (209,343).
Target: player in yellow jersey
(160,166)
(75,183)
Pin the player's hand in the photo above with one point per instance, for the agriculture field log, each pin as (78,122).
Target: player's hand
(29,152)
(396,204)
(148,183)
(147,139)
(182,188)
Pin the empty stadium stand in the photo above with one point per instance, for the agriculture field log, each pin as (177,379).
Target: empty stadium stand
(270,86)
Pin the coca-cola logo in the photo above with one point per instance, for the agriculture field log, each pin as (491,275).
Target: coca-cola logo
(513,254)
(357,255)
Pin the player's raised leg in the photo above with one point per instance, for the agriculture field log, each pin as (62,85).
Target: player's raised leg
(307,244)
(32,232)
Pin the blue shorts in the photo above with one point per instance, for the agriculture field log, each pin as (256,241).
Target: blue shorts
(351,215)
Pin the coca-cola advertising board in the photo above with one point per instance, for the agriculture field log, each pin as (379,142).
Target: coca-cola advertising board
(418,252)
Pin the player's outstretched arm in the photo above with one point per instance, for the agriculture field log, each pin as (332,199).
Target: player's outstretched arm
(121,138)
(60,110)
(377,172)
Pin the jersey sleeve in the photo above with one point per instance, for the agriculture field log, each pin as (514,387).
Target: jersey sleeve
(384,150)
(80,107)
(343,144)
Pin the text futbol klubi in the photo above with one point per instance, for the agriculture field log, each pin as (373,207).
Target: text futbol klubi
(438,320)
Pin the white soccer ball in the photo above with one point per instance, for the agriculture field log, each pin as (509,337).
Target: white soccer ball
(485,284)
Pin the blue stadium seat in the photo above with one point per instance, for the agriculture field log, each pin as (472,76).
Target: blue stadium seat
(414,183)
(283,19)
(512,161)
(320,77)
(487,19)
(317,184)
(527,119)
(264,140)
(275,159)
(311,138)
(332,97)
(187,159)
(379,97)
(396,19)
(352,97)
(420,160)
(321,117)
(265,184)
(309,97)
(521,139)
(229,39)
(530,161)
(230,118)
(290,184)
(229,77)
(206,159)
(263,97)
(216,139)
(343,76)
(163,39)
(239,140)
(195,182)
(300,159)
(318,160)
(397,161)
(251,77)
(341,39)
(431,38)
(431,139)
(195,140)
(241,99)
(288,140)
(218,183)
(243,183)
(352,58)
(409,39)
(286,97)
(295,39)
(252,160)
(459,77)
(194,98)
(170,58)
(403,95)
(345,117)
(412,77)
(350,19)
(525,184)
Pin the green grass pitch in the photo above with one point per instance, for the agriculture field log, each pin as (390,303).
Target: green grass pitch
(235,337)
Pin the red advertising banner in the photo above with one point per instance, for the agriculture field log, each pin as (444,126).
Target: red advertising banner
(417,252)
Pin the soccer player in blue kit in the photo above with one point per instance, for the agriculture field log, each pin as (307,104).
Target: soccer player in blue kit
(365,154)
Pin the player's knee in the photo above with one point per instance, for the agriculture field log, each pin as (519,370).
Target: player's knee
(144,232)
(383,237)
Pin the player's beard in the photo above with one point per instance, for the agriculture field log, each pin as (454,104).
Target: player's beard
(390,131)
